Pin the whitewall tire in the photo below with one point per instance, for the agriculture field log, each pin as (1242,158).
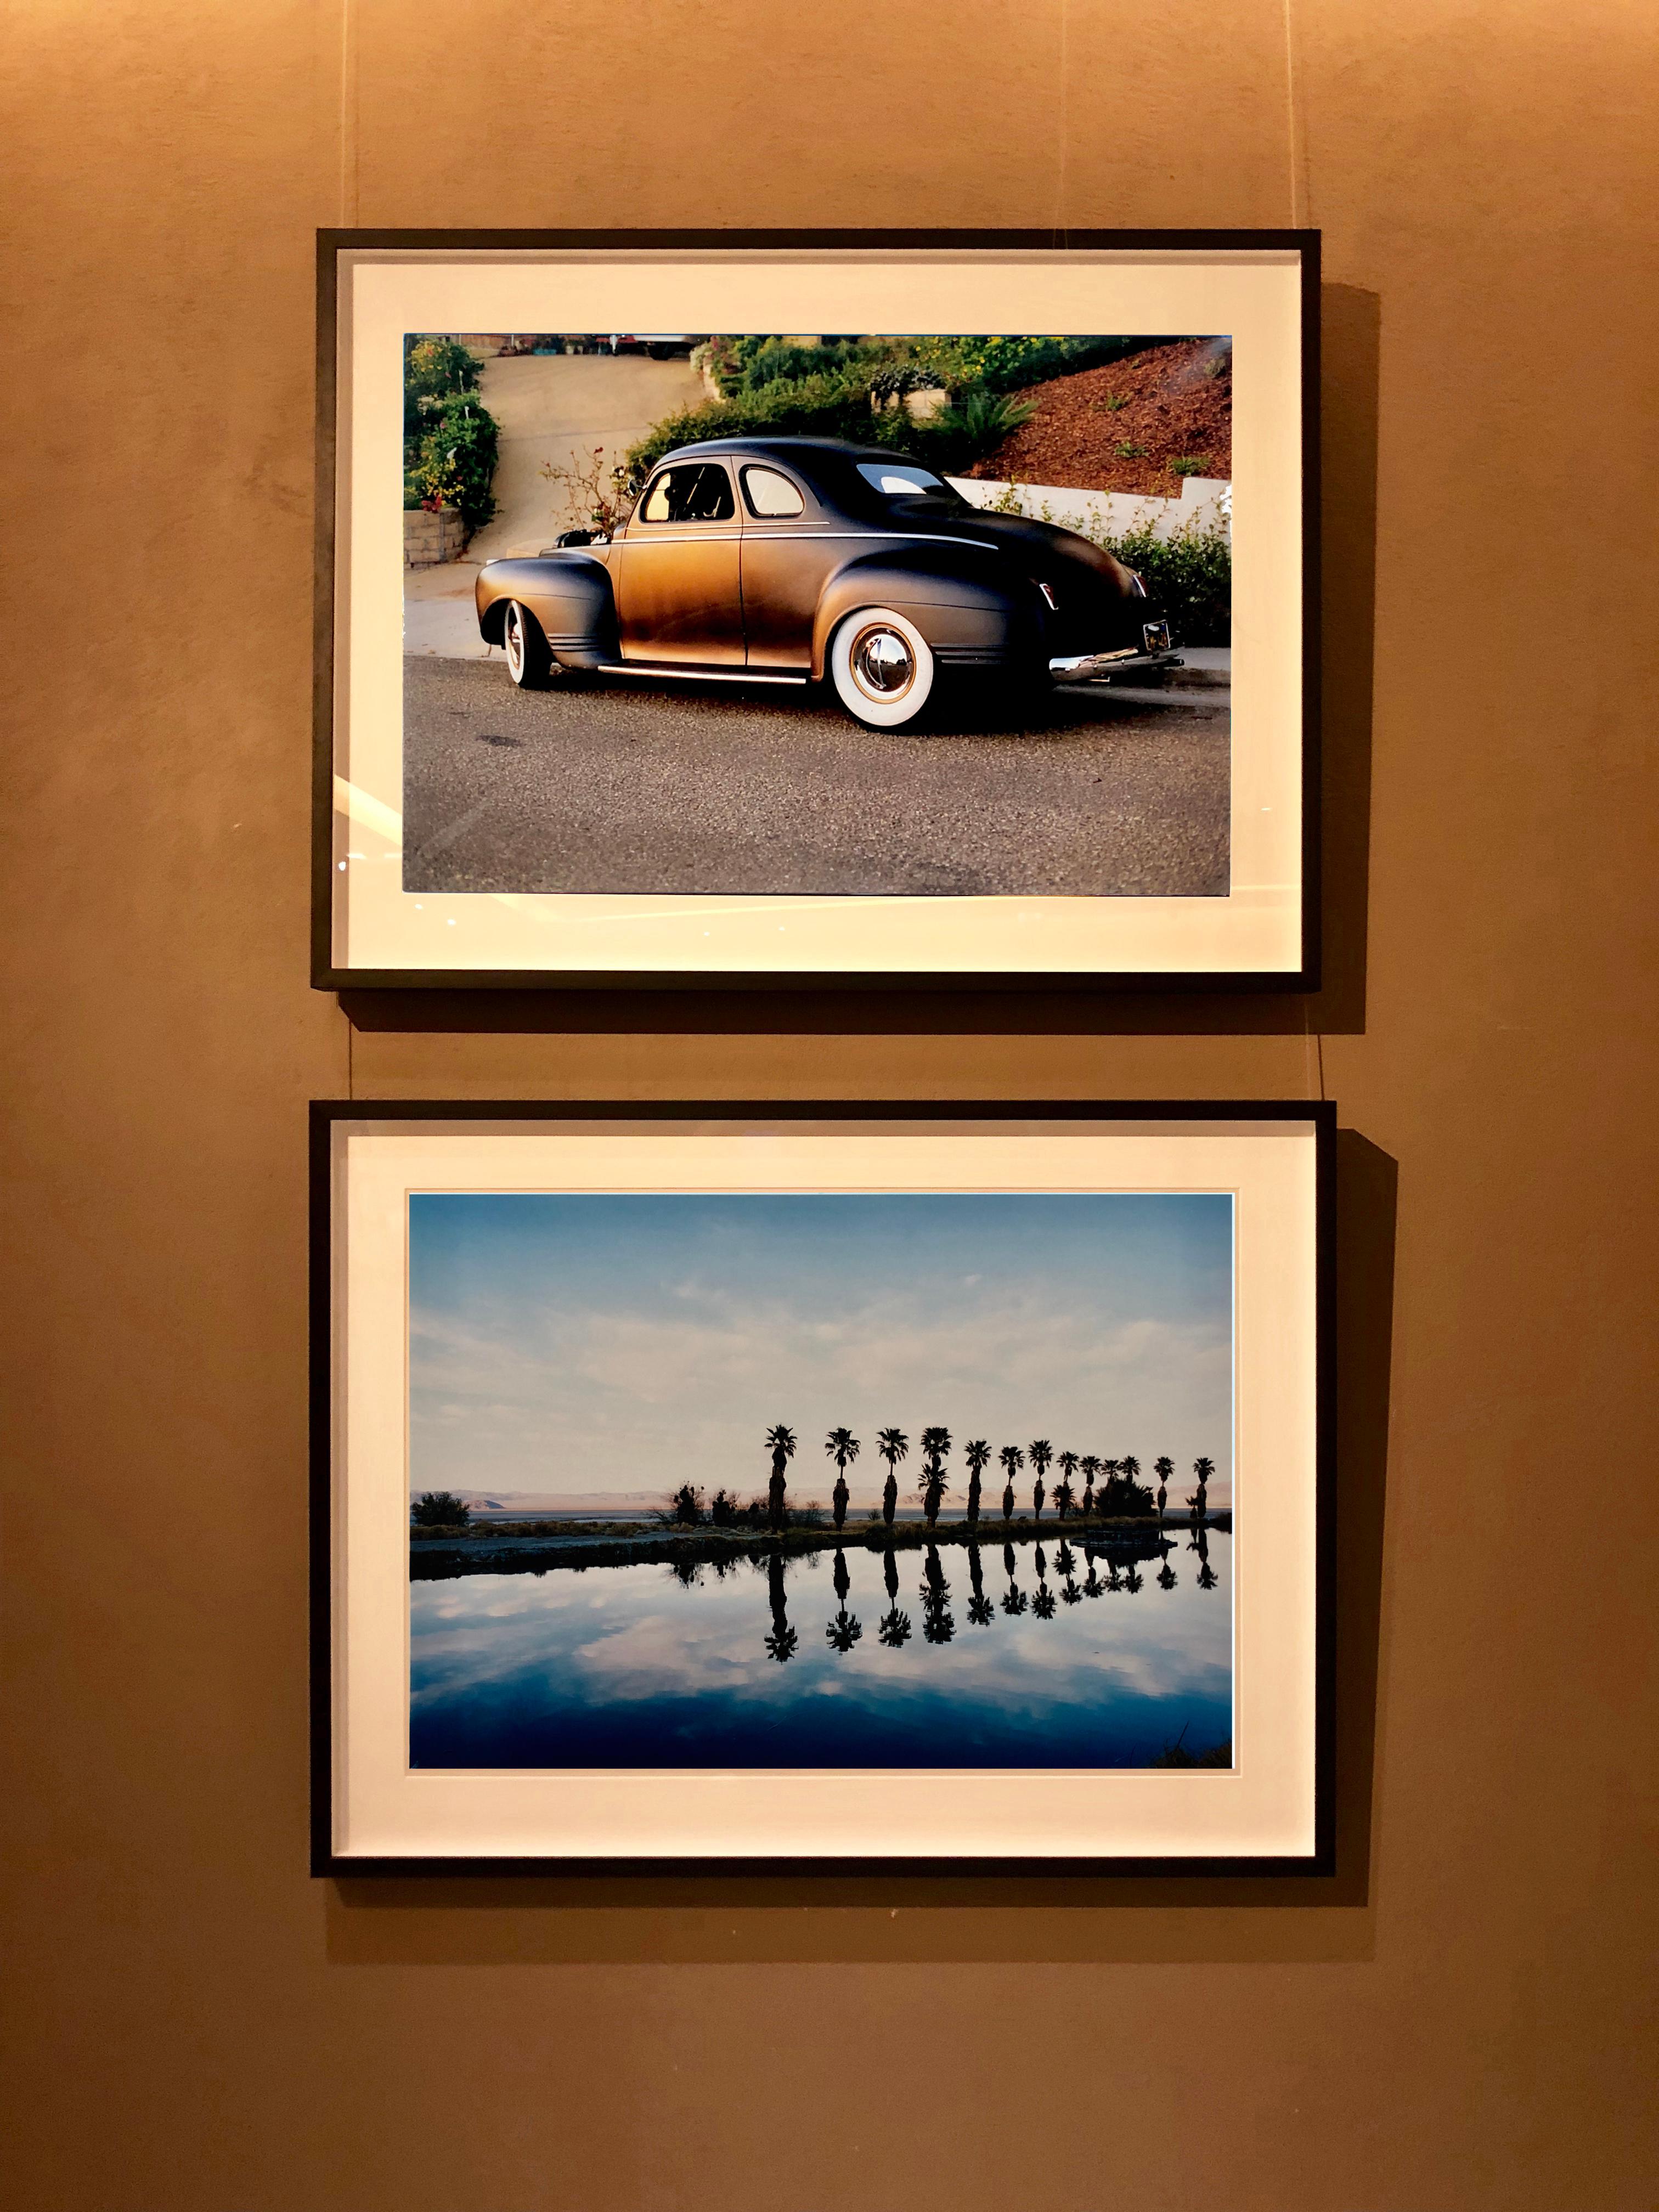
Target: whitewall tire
(529,662)
(882,668)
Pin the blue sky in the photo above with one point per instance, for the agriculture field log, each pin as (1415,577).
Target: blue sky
(564,1345)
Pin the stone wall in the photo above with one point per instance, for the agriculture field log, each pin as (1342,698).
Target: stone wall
(431,538)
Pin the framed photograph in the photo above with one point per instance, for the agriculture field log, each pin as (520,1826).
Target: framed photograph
(816,608)
(702,1485)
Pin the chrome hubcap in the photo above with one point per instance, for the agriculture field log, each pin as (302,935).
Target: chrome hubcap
(883,663)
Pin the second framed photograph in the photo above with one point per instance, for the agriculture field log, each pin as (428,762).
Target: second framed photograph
(824,608)
(819,1485)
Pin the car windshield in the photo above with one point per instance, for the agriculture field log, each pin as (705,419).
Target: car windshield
(904,480)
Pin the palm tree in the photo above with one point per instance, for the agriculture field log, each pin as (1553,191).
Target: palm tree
(1090,1467)
(1042,1452)
(977,1453)
(889,1498)
(1163,1469)
(1038,1495)
(933,1485)
(980,1612)
(842,1447)
(1203,1469)
(1012,1459)
(783,1443)
(893,1445)
(1068,1463)
(1129,1469)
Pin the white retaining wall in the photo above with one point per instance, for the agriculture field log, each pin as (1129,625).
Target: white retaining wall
(1203,500)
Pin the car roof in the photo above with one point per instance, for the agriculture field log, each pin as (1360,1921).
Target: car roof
(799,451)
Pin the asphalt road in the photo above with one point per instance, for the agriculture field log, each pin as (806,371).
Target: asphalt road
(655,788)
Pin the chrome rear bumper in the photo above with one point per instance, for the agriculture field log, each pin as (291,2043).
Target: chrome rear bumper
(1091,667)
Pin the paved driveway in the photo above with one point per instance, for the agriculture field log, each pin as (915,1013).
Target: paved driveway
(675,789)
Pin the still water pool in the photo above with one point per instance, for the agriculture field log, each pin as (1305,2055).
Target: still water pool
(1025,1654)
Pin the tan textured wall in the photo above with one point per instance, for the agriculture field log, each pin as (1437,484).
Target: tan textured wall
(195,2027)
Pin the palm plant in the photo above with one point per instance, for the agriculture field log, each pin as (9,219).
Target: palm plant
(1012,1459)
(1042,1452)
(1038,1495)
(977,1452)
(1203,1469)
(1068,1463)
(893,1445)
(932,1485)
(1090,1467)
(781,1441)
(842,1447)
(1163,1469)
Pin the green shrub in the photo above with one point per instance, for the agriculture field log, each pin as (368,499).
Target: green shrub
(1189,574)
(434,370)
(1126,450)
(972,426)
(453,464)
(1191,468)
(439,1509)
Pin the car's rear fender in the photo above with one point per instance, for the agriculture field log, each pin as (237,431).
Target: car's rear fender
(972,614)
(569,593)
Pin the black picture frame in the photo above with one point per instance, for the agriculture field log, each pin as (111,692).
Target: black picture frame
(327,975)
(1319,1115)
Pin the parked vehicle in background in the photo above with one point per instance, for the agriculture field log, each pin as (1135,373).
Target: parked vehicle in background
(792,560)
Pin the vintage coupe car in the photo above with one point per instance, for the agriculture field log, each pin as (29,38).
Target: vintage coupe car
(789,560)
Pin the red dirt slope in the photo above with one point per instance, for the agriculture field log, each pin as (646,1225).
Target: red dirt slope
(1176,404)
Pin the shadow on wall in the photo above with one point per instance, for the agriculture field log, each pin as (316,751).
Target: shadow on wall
(1350,337)
(765,1917)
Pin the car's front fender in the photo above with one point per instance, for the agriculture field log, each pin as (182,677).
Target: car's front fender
(569,594)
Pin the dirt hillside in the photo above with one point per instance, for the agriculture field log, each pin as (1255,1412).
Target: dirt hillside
(1173,402)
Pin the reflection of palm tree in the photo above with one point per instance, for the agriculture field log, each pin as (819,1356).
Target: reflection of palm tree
(845,1630)
(1163,1469)
(980,1612)
(1043,1603)
(1091,1580)
(937,1624)
(1133,1580)
(1012,1459)
(894,1627)
(781,1643)
(782,1442)
(1014,1600)
(686,1572)
(1207,1577)
(1090,1467)
(892,1444)
(1166,1573)
(1065,1568)
(978,1454)
(1112,1573)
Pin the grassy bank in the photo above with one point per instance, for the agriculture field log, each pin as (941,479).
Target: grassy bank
(533,1547)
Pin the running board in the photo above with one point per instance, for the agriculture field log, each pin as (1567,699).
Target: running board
(697,675)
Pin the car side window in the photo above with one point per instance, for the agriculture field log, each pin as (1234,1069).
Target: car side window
(696,491)
(769,493)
